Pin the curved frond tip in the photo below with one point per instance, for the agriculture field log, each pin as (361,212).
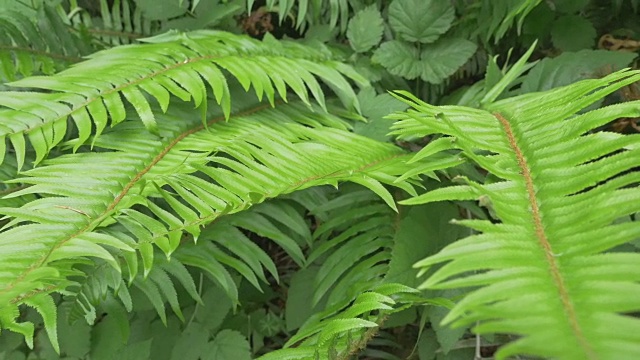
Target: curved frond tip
(91,93)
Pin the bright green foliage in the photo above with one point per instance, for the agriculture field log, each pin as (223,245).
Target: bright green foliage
(98,101)
(151,163)
(228,345)
(207,195)
(562,191)
(215,168)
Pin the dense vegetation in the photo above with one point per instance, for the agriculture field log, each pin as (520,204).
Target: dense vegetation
(319,179)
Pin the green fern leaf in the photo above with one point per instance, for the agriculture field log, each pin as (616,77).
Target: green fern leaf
(544,272)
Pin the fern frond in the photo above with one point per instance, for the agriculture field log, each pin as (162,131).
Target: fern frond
(354,245)
(546,272)
(91,92)
(216,170)
(45,46)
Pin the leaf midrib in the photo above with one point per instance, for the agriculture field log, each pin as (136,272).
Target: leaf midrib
(541,235)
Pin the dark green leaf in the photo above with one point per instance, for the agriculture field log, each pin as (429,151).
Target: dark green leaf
(572,33)
(421,20)
(570,67)
(365,29)
(228,345)
(441,59)
(399,58)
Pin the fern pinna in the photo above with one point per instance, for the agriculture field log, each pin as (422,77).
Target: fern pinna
(549,270)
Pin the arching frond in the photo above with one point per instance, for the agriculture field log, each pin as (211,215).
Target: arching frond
(548,271)
(90,93)
(158,187)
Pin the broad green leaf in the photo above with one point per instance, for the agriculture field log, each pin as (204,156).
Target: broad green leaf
(571,67)
(434,63)
(399,58)
(228,345)
(375,108)
(536,24)
(442,58)
(365,29)
(166,9)
(165,338)
(135,351)
(447,336)
(573,33)
(427,345)
(192,343)
(421,20)
(216,305)
(105,341)
(416,239)
(299,300)
(569,6)
(75,339)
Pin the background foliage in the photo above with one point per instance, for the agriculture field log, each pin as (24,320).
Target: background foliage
(221,179)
